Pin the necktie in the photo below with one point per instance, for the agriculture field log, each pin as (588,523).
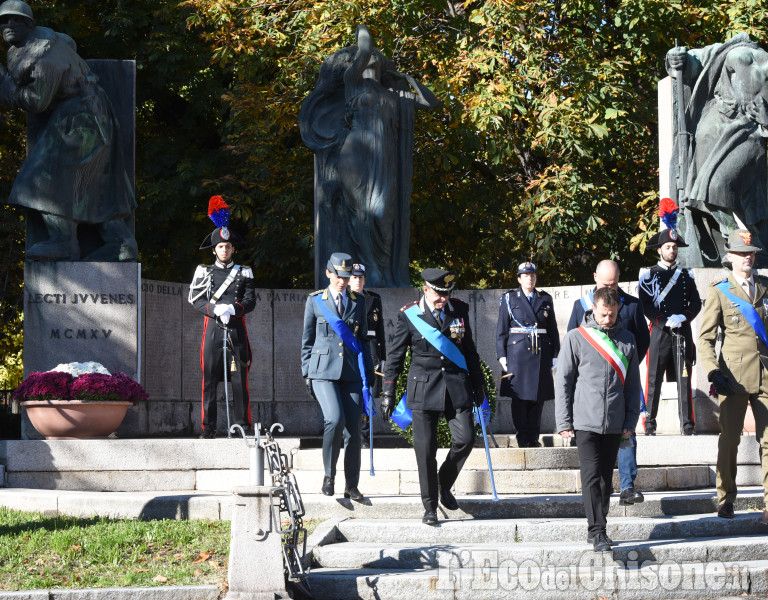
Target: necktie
(747,289)
(438,316)
(340,304)
(530,299)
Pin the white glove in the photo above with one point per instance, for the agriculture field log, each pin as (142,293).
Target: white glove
(220,309)
(503,363)
(674,321)
(230,309)
(554,363)
(224,318)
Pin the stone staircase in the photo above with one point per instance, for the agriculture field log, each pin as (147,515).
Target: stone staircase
(545,555)
(532,540)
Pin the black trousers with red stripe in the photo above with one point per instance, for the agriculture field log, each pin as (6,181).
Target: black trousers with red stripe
(661,361)
(212,363)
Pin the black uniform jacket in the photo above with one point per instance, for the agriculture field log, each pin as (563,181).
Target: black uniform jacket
(432,374)
(241,293)
(682,299)
(533,370)
(376,336)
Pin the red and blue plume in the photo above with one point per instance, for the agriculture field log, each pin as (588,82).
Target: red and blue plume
(218,211)
(668,212)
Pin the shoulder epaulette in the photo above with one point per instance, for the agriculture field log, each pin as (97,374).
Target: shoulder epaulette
(644,273)
(457,301)
(246,272)
(720,280)
(407,306)
(690,273)
(543,293)
(351,294)
(317,292)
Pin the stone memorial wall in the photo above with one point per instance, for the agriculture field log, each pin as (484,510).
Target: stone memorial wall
(172,330)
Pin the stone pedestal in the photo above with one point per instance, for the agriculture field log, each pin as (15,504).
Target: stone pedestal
(255,552)
(80,312)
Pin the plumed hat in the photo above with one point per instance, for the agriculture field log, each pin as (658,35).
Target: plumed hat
(668,212)
(218,212)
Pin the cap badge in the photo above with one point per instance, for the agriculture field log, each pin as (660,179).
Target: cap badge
(224,233)
(448,278)
(673,234)
(746,237)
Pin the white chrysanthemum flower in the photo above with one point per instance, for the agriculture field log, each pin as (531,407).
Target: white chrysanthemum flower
(76,369)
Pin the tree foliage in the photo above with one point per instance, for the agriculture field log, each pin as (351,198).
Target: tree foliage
(544,147)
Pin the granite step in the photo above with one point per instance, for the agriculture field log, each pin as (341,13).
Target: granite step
(426,555)
(715,580)
(561,530)
(192,504)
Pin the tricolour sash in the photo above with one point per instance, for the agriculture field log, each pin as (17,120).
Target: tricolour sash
(746,309)
(607,349)
(351,342)
(434,337)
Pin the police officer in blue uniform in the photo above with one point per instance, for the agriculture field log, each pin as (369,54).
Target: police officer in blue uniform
(670,302)
(331,366)
(224,292)
(376,337)
(527,344)
(437,330)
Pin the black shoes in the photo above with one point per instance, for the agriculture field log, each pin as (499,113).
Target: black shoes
(725,510)
(600,543)
(429,518)
(630,496)
(208,435)
(447,499)
(327,489)
(591,539)
(689,431)
(650,430)
(353,494)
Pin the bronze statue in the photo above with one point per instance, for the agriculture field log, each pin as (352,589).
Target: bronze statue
(359,122)
(719,170)
(74,173)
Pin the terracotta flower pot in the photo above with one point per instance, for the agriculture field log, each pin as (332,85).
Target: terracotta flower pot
(75,419)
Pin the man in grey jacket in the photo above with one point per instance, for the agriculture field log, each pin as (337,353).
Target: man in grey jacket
(597,400)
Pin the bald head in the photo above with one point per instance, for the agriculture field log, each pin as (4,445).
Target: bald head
(607,274)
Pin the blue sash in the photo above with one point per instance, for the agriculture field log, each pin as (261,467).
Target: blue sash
(351,342)
(746,309)
(586,301)
(434,337)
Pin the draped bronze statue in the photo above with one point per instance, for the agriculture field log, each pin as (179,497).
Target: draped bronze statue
(74,176)
(359,122)
(719,173)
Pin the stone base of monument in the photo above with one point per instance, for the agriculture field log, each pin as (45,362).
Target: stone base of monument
(81,312)
(255,551)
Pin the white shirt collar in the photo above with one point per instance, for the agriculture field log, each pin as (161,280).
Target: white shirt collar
(741,281)
(221,265)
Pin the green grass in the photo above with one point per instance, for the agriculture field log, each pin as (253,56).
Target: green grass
(41,552)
